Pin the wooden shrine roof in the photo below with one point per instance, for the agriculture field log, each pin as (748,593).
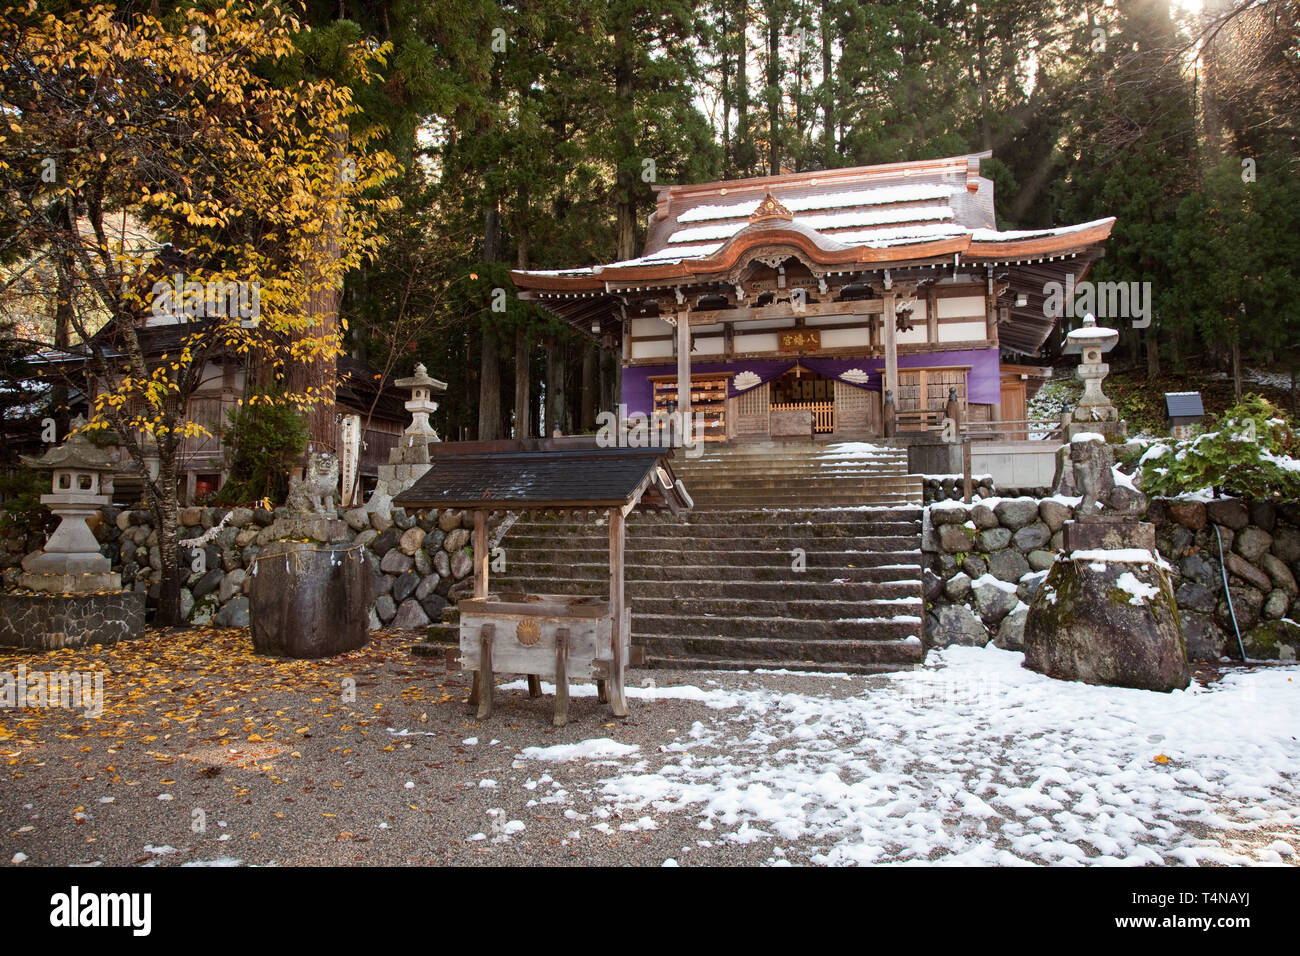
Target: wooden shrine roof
(935,215)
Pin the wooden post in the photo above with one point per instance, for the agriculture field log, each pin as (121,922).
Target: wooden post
(534,686)
(485,671)
(965,470)
(480,554)
(683,373)
(617,702)
(561,676)
(889,327)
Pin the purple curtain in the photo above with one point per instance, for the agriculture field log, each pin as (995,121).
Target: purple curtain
(983,382)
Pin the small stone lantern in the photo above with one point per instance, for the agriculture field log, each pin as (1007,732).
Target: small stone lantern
(1094,411)
(82,484)
(421,405)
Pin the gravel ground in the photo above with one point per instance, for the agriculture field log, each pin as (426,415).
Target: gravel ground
(208,753)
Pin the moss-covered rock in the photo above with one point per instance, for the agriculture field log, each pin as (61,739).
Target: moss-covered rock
(1107,623)
(1273,641)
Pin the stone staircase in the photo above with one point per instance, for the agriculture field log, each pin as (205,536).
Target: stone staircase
(808,475)
(790,559)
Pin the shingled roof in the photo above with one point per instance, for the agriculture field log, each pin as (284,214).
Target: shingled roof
(533,476)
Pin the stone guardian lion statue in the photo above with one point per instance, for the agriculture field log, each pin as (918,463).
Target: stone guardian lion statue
(315,493)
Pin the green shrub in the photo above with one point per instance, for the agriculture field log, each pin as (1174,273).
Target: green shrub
(266,439)
(1249,452)
(21,510)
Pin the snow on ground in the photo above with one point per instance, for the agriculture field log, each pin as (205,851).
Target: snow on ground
(973,760)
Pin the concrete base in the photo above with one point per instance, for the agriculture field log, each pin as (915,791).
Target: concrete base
(50,621)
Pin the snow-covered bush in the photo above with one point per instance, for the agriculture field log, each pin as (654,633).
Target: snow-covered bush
(1249,453)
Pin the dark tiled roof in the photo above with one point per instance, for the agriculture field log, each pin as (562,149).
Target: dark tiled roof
(530,479)
(1182,404)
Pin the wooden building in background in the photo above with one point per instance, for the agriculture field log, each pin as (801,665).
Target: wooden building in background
(810,302)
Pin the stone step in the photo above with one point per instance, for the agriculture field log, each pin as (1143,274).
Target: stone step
(636,591)
(593,553)
(670,650)
(723,500)
(794,472)
(769,482)
(703,573)
(829,527)
(861,627)
(726,662)
(645,608)
(701,576)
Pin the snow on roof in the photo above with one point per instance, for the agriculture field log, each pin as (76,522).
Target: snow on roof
(993,235)
(840,220)
(879,196)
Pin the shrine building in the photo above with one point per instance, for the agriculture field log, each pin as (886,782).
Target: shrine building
(848,303)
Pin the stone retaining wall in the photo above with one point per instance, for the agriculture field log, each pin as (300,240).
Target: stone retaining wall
(983,562)
(419,562)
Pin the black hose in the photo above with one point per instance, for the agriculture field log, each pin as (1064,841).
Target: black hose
(1228,594)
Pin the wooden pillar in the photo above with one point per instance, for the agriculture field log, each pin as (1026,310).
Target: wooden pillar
(480,554)
(683,371)
(889,332)
(617,536)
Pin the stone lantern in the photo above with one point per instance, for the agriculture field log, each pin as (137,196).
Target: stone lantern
(81,485)
(68,594)
(410,459)
(421,405)
(1094,411)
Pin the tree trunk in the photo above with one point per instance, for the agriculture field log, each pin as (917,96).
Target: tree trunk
(1153,351)
(773,91)
(166,511)
(623,69)
(588,404)
(1236,367)
(744,145)
(554,386)
(319,376)
(828,90)
(489,387)
(523,379)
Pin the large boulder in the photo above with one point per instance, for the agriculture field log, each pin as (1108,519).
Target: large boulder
(1107,622)
(309,599)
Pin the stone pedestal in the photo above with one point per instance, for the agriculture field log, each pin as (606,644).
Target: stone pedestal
(309,599)
(51,621)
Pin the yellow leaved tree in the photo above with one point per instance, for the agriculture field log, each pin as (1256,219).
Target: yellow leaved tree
(158,184)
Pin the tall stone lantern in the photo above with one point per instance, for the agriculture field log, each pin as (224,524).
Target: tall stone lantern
(410,459)
(68,594)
